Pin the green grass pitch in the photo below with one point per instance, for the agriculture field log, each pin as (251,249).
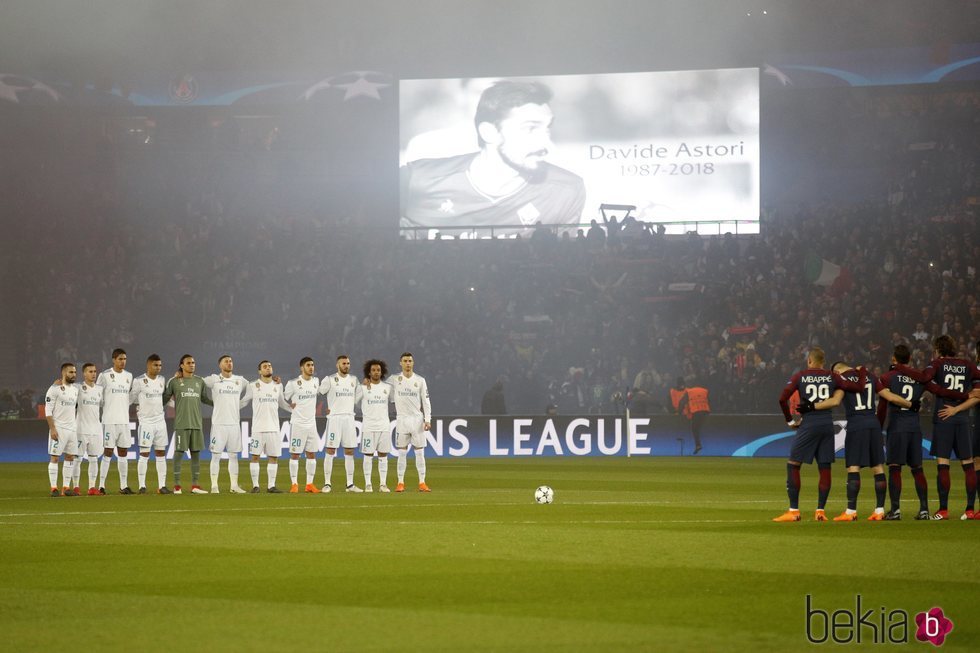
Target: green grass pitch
(635,554)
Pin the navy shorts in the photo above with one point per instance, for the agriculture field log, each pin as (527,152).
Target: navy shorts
(951,438)
(814,442)
(864,447)
(904,448)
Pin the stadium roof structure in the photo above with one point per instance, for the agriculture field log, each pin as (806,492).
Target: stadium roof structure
(434,38)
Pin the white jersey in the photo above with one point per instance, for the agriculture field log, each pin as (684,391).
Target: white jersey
(89,409)
(343,392)
(59,404)
(411,396)
(266,401)
(147,394)
(374,407)
(226,392)
(303,393)
(115,407)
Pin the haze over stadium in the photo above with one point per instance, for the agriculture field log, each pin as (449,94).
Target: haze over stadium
(588,243)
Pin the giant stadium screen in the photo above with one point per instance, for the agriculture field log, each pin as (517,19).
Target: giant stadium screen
(485,157)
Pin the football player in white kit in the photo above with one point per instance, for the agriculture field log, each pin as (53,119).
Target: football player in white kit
(116,383)
(413,416)
(89,417)
(147,394)
(301,392)
(226,421)
(343,392)
(375,424)
(267,398)
(59,410)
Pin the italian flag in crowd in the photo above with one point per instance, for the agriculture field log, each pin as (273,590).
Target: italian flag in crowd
(822,272)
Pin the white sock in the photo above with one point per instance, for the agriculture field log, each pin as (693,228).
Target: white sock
(233,469)
(215,468)
(310,470)
(53,474)
(253,467)
(328,467)
(141,470)
(383,469)
(104,470)
(349,468)
(272,469)
(67,472)
(401,465)
(93,470)
(420,464)
(122,463)
(368,469)
(76,471)
(161,462)
(293,471)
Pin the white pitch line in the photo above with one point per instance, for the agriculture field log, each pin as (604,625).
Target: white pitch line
(369,506)
(400,523)
(258,509)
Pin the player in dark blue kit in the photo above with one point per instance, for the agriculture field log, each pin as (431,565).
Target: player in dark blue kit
(904,440)
(864,445)
(507,183)
(815,437)
(950,422)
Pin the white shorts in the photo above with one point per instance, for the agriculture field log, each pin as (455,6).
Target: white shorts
(67,443)
(152,436)
(303,438)
(340,432)
(408,430)
(116,436)
(375,442)
(268,443)
(90,444)
(226,437)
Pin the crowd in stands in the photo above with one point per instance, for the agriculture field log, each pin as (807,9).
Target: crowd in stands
(162,257)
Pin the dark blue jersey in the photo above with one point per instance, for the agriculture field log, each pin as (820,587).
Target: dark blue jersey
(903,381)
(860,407)
(956,374)
(814,385)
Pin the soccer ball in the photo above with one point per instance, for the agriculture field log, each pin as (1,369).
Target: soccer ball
(544,494)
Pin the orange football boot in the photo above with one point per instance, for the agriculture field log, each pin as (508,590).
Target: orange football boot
(789,515)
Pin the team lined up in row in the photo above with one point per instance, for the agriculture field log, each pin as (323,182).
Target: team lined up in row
(92,417)
(954,381)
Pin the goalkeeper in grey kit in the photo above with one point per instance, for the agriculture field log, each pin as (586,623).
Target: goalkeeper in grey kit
(188,392)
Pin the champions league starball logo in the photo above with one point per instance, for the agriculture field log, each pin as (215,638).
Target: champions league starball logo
(20,89)
(357,83)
